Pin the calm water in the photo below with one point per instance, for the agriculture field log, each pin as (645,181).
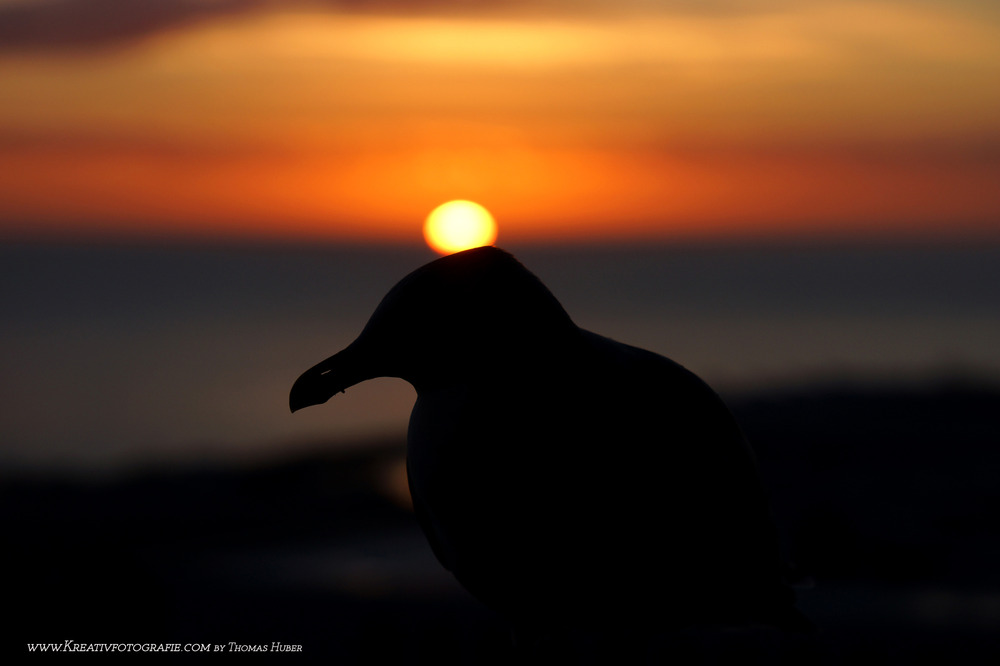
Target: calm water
(115,355)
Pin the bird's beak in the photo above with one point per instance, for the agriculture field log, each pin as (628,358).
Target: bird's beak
(328,378)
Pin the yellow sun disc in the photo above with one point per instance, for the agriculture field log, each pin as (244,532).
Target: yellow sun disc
(459,225)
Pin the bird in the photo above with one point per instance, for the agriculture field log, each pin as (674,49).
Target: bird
(572,483)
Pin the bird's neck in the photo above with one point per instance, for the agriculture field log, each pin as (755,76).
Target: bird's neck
(509,363)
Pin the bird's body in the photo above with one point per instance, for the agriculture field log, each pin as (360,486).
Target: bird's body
(566,479)
(614,482)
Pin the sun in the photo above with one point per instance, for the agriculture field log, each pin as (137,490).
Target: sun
(459,225)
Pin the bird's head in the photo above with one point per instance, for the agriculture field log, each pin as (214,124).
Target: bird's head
(469,312)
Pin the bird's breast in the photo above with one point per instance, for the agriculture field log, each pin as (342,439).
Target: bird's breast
(455,447)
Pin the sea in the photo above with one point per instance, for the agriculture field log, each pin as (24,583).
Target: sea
(118,356)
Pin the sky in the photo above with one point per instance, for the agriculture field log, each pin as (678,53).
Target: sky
(570,121)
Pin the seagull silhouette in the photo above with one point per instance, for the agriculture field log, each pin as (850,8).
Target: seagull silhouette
(567,480)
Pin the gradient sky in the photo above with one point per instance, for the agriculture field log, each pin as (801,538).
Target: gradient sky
(568,120)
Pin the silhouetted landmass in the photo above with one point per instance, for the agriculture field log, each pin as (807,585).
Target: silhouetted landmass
(885,497)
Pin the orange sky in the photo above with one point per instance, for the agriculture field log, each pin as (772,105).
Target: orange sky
(573,121)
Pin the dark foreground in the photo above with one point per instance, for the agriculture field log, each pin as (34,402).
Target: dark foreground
(887,501)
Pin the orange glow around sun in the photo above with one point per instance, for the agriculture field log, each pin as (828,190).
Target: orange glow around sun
(583,125)
(459,225)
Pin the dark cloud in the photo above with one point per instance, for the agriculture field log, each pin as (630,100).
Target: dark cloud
(83,25)
(71,25)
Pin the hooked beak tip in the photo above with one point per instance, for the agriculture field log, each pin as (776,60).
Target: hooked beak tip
(296,400)
(306,393)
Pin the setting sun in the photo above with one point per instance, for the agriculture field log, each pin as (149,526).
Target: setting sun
(459,225)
